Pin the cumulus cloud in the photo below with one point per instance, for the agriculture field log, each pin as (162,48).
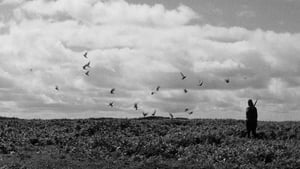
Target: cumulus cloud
(104,12)
(246,14)
(11,2)
(134,48)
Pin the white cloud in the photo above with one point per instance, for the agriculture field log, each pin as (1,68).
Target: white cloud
(104,12)
(134,48)
(11,2)
(2,25)
(246,14)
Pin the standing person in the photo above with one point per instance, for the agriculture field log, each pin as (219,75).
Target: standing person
(251,115)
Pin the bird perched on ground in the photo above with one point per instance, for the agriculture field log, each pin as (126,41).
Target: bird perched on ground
(86,65)
(171,115)
(87,73)
(145,114)
(227,80)
(111,104)
(182,76)
(57,88)
(85,55)
(200,83)
(135,106)
(185,90)
(157,88)
(112,91)
(153,114)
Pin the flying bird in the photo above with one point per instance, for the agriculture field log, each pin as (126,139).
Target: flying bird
(200,83)
(157,88)
(186,109)
(57,88)
(87,73)
(135,106)
(152,93)
(86,65)
(182,76)
(145,114)
(85,55)
(31,70)
(112,91)
(227,80)
(153,114)
(190,113)
(171,115)
(185,90)
(111,104)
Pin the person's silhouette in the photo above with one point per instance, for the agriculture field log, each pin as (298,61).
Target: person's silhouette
(251,115)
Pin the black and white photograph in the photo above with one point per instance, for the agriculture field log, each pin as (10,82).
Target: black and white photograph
(149,84)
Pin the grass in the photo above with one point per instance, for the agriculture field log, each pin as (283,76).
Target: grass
(147,143)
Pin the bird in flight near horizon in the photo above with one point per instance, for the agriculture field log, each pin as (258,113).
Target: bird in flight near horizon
(86,65)
(56,88)
(111,104)
(200,83)
(157,88)
(145,114)
(171,115)
(227,80)
(153,114)
(186,109)
(87,73)
(112,91)
(135,106)
(190,113)
(182,76)
(185,90)
(152,93)
(85,55)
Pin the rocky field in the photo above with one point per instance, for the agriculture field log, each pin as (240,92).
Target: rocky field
(153,142)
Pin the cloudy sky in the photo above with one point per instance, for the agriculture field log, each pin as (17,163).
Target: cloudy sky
(136,45)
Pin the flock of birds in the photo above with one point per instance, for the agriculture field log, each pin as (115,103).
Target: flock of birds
(86,67)
(156,90)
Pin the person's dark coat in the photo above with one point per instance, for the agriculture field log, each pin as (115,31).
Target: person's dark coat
(251,119)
